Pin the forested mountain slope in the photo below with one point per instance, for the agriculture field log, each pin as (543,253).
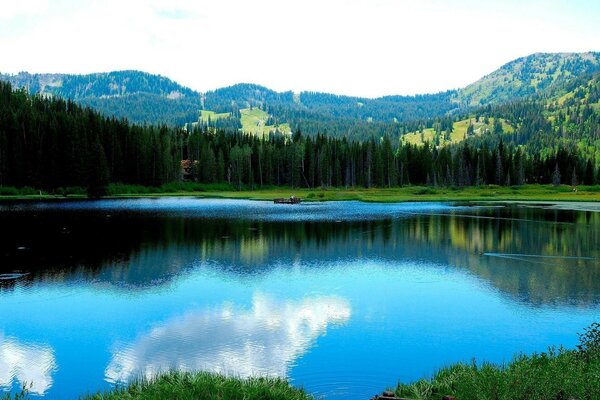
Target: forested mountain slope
(144,98)
(138,96)
(536,74)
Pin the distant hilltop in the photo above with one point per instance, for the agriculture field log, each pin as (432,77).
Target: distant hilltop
(141,97)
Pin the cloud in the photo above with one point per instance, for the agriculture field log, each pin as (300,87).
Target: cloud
(22,8)
(264,340)
(360,47)
(26,363)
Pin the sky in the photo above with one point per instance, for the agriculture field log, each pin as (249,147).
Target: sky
(365,48)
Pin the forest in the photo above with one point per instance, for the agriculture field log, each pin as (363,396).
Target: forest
(49,143)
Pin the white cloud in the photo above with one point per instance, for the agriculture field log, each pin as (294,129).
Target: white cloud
(26,363)
(357,47)
(19,8)
(262,341)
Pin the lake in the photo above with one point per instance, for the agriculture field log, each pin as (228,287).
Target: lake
(342,298)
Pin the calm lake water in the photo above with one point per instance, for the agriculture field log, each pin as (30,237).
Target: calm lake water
(342,298)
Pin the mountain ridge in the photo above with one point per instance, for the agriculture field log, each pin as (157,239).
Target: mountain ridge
(147,98)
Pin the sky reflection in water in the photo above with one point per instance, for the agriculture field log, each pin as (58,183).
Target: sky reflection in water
(342,298)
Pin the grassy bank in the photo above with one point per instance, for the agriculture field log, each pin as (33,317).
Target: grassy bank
(418,193)
(194,386)
(553,375)
(204,386)
(407,193)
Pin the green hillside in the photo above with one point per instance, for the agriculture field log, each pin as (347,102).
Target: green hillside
(537,74)
(137,96)
(106,84)
(145,98)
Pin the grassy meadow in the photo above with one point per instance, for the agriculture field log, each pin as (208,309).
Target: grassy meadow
(206,115)
(398,194)
(254,121)
(459,130)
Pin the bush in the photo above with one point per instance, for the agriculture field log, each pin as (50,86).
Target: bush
(595,188)
(122,188)
(71,190)
(425,190)
(589,342)
(8,191)
(28,191)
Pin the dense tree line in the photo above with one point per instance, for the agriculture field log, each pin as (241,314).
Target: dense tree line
(51,143)
(246,161)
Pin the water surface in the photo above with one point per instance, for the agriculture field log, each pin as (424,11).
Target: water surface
(342,298)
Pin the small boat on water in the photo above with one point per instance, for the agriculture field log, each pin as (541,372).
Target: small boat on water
(289,200)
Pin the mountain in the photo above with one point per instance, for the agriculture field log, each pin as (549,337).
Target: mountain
(536,74)
(383,109)
(144,98)
(138,96)
(568,116)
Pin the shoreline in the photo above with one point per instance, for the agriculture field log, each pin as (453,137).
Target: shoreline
(532,194)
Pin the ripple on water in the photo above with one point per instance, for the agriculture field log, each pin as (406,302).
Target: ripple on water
(329,384)
(243,209)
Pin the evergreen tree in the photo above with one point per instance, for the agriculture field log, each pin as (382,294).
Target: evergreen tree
(98,177)
(556,176)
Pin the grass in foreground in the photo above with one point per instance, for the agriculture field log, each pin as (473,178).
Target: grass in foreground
(204,386)
(554,375)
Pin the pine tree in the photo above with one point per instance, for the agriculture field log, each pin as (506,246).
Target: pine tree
(98,177)
(499,168)
(556,176)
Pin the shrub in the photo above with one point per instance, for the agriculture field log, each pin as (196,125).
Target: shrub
(8,191)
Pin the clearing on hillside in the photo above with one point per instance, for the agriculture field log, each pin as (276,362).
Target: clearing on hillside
(458,134)
(255,120)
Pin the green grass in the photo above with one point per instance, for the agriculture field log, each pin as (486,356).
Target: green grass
(205,115)
(193,386)
(557,374)
(204,386)
(407,193)
(254,121)
(421,193)
(459,129)
(24,191)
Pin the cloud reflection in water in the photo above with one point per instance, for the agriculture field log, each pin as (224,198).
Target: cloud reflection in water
(26,363)
(264,340)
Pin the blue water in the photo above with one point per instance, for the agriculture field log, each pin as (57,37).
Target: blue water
(344,299)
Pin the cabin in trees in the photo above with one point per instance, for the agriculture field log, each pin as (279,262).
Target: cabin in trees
(186,169)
